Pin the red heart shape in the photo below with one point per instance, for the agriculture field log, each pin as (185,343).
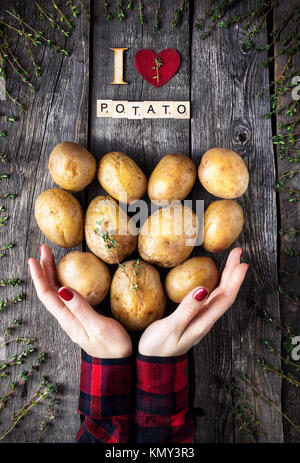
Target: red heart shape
(145,60)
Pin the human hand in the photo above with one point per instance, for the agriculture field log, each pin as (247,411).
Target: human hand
(97,335)
(195,315)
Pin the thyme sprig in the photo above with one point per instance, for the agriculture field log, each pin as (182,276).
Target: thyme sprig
(3,221)
(290,274)
(11,282)
(8,56)
(52,410)
(141,12)
(3,158)
(120,11)
(14,300)
(10,119)
(286,359)
(23,378)
(35,64)
(112,245)
(158,13)
(14,100)
(13,324)
(62,17)
(45,14)
(6,247)
(18,339)
(44,390)
(288,251)
(107,13)
(8,196)
(244,412)
(158,65)
(36,37)
(291,232)
(129,5)
(84,7)
(285,329)
(292,299)
(75,10)
(280,373)
(15,359)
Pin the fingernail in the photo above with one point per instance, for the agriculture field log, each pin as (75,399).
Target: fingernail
(65,294)
(27,260)
(41,248)
(242,253)
(200,294)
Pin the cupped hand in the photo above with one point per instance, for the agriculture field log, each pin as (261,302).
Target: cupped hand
(196,314)
(97,335)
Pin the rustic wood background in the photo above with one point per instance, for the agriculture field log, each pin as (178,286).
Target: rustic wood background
(221,78)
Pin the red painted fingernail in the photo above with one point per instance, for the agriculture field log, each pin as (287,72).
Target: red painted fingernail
(200,294)
(65,294)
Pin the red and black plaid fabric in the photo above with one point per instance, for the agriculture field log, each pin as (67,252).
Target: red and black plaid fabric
(161,409)
(162,414)
(105,400)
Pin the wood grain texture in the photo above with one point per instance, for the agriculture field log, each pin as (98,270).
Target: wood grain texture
(225,80)
(289,216)
(56,113)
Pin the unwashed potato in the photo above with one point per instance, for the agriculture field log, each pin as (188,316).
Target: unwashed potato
(71,166)
(136,295)
(60,217)
(197,271)
(121,177)
(223,222)
(172,179)
(109,232)
(85,273)
(223,173)
(168,236)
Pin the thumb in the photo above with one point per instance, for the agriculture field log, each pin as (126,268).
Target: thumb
(78,305)
(189,307)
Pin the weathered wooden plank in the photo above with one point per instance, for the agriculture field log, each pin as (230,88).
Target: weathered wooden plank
(225,80)
(57,112)
(289,215)
(148,140)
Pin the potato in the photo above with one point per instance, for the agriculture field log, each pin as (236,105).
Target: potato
(121,177)
(85,273)
(109,232)
(71,166)
(197,271)
(60,217)
(168,236)
(223,173)
(172,179)
(136,295)
(223,222)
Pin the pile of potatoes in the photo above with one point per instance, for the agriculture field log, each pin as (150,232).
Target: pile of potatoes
(137,295)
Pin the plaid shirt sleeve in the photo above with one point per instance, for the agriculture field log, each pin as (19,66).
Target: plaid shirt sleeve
(105,400)
(162,413)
